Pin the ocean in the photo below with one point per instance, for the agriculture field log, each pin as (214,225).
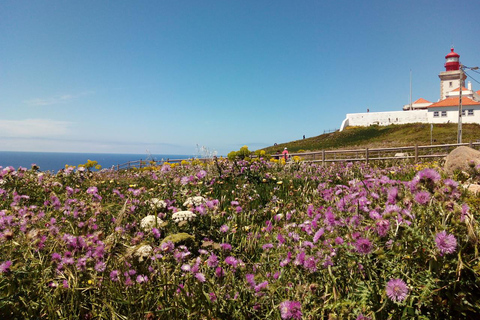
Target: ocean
(54,161)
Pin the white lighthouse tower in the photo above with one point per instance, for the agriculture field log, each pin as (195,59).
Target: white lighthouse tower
(450,78)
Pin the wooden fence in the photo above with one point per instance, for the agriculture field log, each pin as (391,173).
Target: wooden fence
(414,153)
(145,163)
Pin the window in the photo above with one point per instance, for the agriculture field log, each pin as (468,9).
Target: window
(463,113)
(470,112)
(450,84)
(444,113)
(435,113)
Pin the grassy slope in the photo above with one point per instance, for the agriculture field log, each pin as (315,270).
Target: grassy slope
(382,136)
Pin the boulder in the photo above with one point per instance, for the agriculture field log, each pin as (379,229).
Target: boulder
(474,188)
(460,159)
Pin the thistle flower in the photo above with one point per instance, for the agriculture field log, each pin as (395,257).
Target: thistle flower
(363,246)
(397,290)
(317,235)
(142,278)
(114,275)
(5,266)
(422,197)
(291,310)
(428,175)
(200,277)
(446,243)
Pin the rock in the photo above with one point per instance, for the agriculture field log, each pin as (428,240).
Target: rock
(460,158)
(474,188)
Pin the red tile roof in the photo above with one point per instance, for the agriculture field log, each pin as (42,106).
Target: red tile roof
(453,102)
(458,89)
(421,100)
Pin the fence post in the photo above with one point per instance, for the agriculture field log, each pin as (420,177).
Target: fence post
(366,155)
(323,157)
(470,144)
(416,153)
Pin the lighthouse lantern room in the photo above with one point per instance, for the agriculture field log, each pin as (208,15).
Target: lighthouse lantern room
(450,78)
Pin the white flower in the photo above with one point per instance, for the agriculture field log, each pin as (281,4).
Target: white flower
(183,216)
(157,203)
(143,252)
(194,201)
(148,222)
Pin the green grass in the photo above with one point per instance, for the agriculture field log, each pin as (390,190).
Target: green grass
(382,136)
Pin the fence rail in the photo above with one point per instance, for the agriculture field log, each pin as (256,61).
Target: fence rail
(415,153)
(145,163)
(372,154)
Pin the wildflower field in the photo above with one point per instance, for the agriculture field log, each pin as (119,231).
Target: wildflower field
(239,240)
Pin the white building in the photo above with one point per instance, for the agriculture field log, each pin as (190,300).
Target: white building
(452,80)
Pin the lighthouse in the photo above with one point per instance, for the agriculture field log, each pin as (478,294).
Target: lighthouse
(450,78)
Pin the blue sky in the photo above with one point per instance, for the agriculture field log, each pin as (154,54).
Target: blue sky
(166,76)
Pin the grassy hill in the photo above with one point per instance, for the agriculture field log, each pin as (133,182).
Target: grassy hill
(382,137)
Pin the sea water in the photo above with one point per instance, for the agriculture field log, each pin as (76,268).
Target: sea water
(54,161)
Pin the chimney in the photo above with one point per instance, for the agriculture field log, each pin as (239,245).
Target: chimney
(469,86)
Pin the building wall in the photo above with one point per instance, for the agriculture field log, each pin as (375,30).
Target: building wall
(384,118)
(450,114)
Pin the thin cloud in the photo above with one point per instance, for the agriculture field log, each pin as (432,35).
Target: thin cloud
(58,99)
(33,128)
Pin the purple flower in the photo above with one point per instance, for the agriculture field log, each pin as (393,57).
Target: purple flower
(427,175)
(397,290)
(363,246)
(224,228)
(251,279)
(212,261)
(142,278)
(226,246)
(92,190)
(56,256)
(392,195)
(213,297)
(317,235)
(310,264)
(219,272)
(267,246)
(422,197)
(291,310)
(446,243)
(382,227)
(156,233)
(5,266)
(200,277)
(261,286)
(231,261)
(100,266)
(114,275)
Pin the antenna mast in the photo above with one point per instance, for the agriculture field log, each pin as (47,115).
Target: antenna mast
(410,89)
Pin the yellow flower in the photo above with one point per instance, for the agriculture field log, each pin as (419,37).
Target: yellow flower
(279,182)
(90,281)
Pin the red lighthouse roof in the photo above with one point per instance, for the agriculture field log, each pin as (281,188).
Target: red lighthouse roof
(452,54)
(452,62)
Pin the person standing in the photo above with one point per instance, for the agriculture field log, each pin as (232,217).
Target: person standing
(285,154)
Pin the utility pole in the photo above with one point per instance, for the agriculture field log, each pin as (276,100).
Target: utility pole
(459,132)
